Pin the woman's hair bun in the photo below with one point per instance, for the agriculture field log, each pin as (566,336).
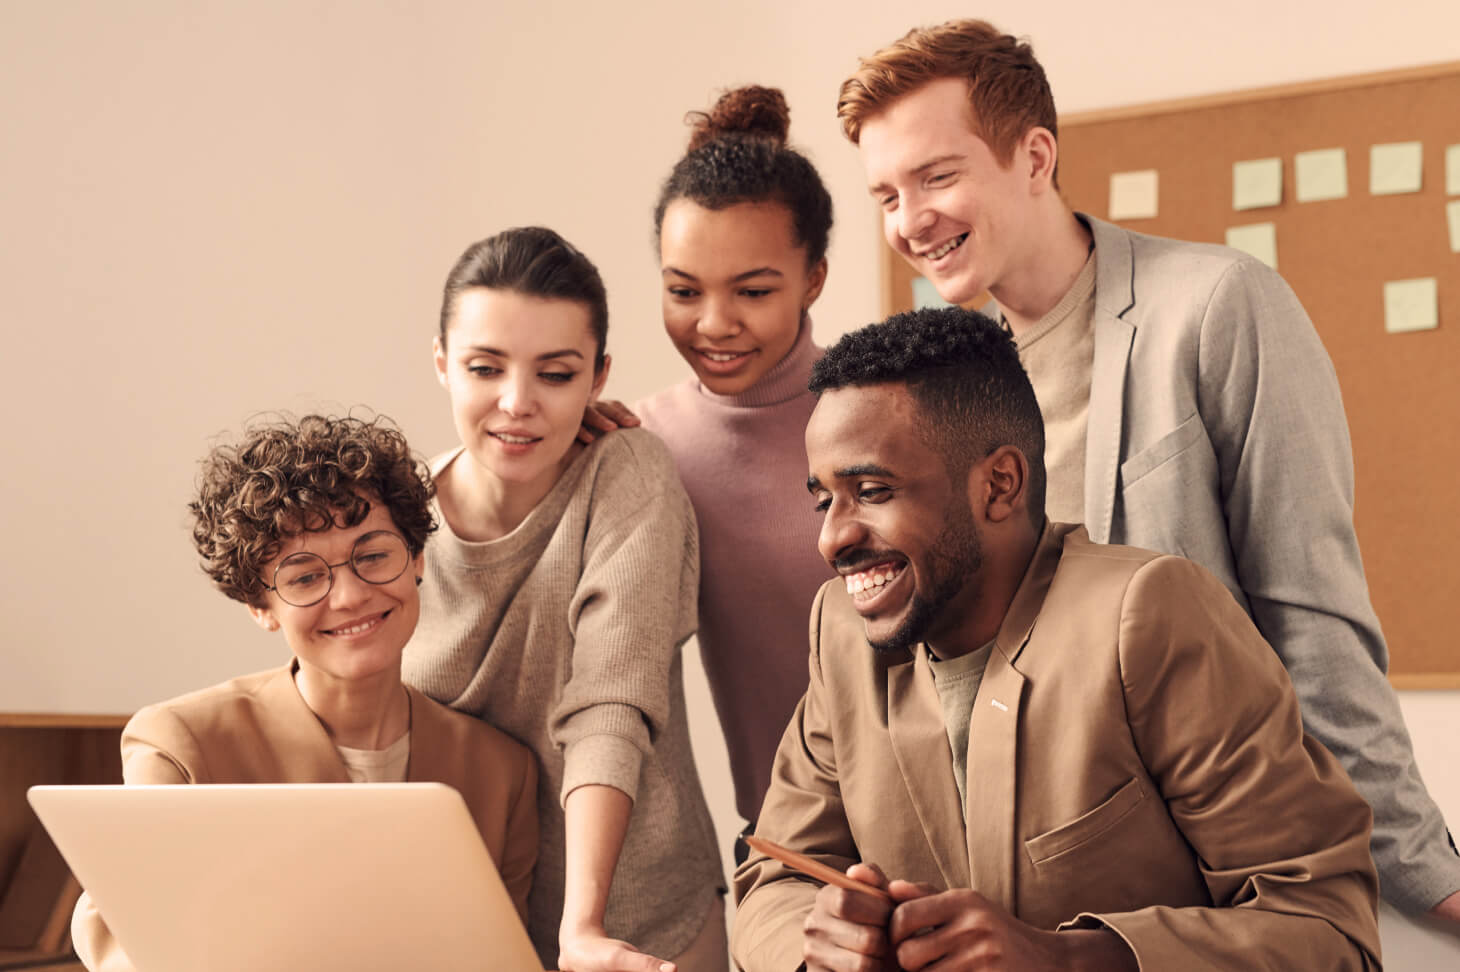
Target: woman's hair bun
(751,110)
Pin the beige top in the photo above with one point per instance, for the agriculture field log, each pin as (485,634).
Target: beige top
(957,680)
(386,765)
(566,634)
(1058,352)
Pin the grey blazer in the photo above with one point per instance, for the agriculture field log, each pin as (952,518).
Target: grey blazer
(1216,431)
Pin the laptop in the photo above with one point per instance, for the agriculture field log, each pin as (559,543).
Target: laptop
(326,877)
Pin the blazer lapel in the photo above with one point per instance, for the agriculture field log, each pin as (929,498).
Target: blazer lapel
(993,753)
(993,736)
(307,755)
(1114,297)
(920,743)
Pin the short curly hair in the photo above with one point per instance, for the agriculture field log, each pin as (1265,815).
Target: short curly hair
(287,477)
(738,154)
(963,370)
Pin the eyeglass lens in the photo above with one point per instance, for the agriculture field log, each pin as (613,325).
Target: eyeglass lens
(378,557)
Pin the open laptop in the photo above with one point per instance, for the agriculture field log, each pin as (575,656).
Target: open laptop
(323,877)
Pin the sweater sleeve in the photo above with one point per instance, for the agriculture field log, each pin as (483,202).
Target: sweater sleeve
(146,760)
(633,609)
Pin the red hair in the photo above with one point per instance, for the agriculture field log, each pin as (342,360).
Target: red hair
(1007,91)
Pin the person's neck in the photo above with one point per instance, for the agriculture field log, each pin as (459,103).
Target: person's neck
(481,506)
(1044,274)
(976,614)
(364,713)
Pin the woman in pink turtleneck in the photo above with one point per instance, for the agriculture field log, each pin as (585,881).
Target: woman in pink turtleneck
(743,223)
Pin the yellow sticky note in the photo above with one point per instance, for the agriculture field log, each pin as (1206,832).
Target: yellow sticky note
(1452,213)
(1411,305)
(1133,194)
(1257,183)
(1322,174)
(1452,170)
(1395,167)
(1258,239)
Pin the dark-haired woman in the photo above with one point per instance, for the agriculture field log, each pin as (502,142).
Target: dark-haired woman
(743,223)
(317,526)
(558,592)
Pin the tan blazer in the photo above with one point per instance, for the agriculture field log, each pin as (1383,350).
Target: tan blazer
(1135,760)
(257,729)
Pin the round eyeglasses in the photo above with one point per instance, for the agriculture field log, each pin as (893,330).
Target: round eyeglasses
(302,579)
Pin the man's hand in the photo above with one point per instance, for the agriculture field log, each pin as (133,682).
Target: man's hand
(962,929)
(605,416)
(847,930)
(1449,909)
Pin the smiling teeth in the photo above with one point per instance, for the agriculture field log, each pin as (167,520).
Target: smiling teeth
(357,628)
(871,579)
(513,439)
(946,248)
(722,356)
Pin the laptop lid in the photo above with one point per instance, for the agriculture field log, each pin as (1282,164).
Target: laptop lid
(239,878)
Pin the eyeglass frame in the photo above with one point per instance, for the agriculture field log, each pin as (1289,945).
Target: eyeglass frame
(349,562)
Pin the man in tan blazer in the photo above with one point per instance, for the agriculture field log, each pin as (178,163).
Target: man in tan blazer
(1065,755)
(1189,404)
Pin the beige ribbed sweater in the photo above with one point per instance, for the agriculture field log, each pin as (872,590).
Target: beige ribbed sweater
(566,633)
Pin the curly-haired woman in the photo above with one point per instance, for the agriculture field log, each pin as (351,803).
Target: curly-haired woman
(318,526)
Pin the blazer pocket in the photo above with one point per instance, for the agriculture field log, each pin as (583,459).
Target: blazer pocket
(1171,444)
(1087,826)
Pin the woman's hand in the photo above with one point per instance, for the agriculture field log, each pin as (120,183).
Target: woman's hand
(603,416)
(593,951)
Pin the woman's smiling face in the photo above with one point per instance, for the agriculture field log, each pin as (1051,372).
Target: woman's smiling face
(358,629)
(519,371)
(736,289)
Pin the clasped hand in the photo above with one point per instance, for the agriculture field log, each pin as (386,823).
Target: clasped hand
(922,927)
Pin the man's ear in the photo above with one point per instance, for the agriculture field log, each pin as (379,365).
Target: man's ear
(264,618)
(1039,152)
(1004,486)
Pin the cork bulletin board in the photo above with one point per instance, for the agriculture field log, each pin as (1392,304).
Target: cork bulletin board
(1401,390)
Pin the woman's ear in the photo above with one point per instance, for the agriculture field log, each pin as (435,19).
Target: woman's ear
(264,618)
(601,378)
(438,355)
(816,279)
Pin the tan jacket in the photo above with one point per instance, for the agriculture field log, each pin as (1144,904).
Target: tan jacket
(1135,760)
(257,729)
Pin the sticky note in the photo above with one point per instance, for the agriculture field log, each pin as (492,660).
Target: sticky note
(926,295)
(1452,170)
(1452,213)
(1258,239)
(1257,183)
(1395,167)
(1133,194)
(1321,175)
(1411,305)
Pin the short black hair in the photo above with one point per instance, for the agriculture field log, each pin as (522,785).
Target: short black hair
(963,370)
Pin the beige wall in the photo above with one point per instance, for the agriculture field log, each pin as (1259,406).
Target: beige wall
(208,211)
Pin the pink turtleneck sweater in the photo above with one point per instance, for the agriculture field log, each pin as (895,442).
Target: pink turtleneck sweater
(742,459)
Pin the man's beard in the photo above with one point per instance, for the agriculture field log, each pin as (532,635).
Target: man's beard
(954,558)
